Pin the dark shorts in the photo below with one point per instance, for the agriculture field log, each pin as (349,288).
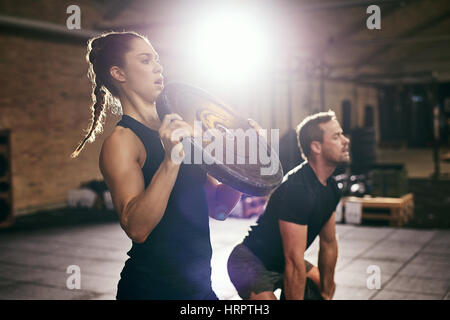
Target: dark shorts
(127,292)
(135,284)
(248,274)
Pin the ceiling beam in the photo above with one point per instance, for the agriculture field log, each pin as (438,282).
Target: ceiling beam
(342,4)
(128,27)
(410,64)
(355,27)
(115,9)
(44,29)
(395,41)
(444,38)
(419,78)
(433,21)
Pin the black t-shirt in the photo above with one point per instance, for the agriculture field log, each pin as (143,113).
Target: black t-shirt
(301,199)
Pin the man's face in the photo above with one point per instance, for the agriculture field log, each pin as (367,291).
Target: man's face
(335,146)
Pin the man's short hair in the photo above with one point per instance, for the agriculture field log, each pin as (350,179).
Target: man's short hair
(309,130)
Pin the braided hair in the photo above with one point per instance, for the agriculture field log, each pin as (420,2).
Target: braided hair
(104,52)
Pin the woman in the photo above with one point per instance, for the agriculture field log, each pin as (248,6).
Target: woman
(163,206)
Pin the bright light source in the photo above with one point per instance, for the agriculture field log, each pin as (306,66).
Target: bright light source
(231,46)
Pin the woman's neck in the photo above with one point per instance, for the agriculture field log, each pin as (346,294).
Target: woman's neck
(141,110)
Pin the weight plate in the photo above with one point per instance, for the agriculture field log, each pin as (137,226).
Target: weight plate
(229,151)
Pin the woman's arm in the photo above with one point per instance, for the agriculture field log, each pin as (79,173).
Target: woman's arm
(139,209)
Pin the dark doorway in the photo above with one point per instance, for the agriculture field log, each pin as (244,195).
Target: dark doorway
(405,116)
(5,178)
(368,117)
(346,116)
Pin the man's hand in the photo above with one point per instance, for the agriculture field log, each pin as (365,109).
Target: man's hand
(328,294)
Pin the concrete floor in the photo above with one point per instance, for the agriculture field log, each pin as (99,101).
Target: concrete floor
(413,264)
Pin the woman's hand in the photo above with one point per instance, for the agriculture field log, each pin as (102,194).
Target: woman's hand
(255,125)
(172,131)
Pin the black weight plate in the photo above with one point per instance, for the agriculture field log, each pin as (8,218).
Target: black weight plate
(194,104)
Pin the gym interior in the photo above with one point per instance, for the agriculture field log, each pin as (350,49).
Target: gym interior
(383,67)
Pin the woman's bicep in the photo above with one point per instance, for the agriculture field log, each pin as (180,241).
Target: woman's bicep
(122,173)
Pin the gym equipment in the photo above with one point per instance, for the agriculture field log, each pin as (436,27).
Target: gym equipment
(237,161)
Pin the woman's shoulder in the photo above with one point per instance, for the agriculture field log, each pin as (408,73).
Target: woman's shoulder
(120,137)
(122,142)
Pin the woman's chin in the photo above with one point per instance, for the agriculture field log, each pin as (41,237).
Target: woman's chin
(151,99)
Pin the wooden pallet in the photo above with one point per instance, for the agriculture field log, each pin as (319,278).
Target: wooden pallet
(397,211)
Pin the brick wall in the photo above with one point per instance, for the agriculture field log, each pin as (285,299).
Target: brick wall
(46,105)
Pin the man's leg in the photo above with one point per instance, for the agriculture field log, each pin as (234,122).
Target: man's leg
(314,275)
(266,295)
(249,276)
(312,272)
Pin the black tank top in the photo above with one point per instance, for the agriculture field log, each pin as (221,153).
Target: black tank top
(175,260)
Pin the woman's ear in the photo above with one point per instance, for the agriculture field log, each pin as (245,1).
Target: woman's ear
(117,74)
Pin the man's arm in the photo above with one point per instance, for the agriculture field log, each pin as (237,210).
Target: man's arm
(327,258)
(294,244)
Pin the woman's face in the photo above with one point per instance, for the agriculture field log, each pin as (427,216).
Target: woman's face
(142,70)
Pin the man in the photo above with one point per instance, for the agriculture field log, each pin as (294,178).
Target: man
(300,209)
